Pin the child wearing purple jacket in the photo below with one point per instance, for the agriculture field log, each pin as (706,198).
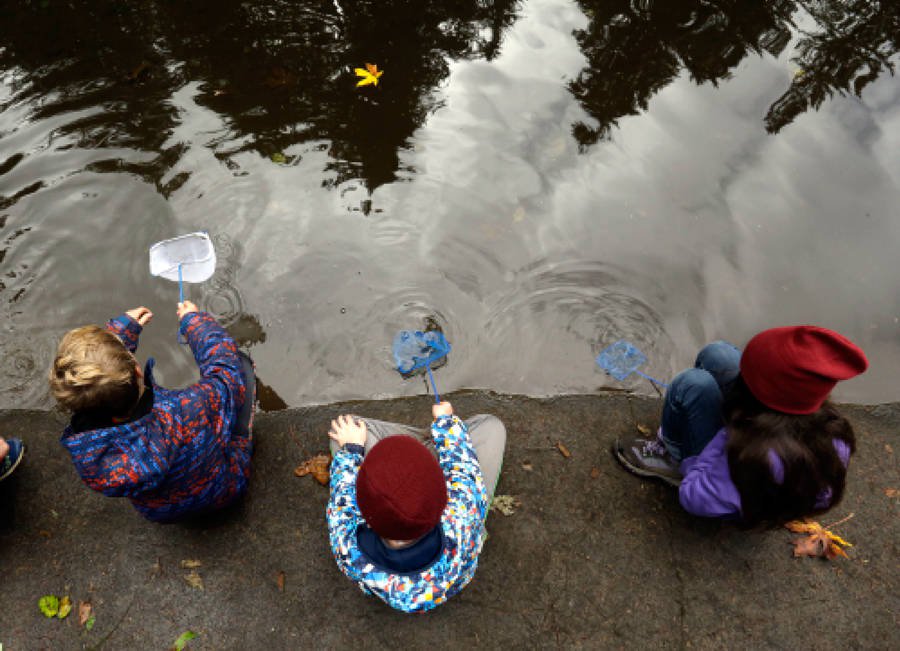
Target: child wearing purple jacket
(752,436)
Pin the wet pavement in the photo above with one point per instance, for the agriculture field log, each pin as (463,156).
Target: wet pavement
(593,557)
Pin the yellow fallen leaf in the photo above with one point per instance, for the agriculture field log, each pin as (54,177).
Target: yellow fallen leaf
(819,541)
(194,580)
(506,504)
(191,564)
(65,607)
(370,75)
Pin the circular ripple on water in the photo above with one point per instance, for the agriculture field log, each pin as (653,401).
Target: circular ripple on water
(223,301)
(408,308)
(23,371)
(560,313)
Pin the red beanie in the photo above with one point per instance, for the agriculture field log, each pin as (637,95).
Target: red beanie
(400,489)
(794,369)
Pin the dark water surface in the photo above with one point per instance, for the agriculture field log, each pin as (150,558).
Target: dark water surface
(539,178)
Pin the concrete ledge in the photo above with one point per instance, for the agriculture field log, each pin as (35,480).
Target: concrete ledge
(594,558)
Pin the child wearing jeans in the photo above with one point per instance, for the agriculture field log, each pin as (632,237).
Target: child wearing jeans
(407,509)
(752,436)
(173,453)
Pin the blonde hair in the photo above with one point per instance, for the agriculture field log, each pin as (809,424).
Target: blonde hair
(94,371)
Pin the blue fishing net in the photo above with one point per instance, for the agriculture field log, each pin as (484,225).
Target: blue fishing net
(621,359)
(414,349)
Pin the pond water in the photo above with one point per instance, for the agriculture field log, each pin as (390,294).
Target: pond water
(537,179)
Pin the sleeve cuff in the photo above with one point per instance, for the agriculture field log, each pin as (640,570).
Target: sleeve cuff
(354,448)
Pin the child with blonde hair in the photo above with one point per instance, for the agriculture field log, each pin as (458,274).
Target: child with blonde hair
(173,453)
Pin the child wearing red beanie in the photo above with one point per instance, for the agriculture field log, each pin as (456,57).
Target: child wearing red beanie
(752,436)
(406,514)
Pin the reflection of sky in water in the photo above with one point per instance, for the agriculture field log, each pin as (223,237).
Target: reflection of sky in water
(690,224)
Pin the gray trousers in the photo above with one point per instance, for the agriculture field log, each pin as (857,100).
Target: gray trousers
(487,433)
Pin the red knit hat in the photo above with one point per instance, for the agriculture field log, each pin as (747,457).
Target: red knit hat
(794,369)
(400,489)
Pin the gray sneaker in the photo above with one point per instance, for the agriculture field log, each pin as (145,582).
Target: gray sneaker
(648,458)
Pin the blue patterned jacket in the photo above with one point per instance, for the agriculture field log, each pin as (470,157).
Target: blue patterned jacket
(462,526)
(181,458)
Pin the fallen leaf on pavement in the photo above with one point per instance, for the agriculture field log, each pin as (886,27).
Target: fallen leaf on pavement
(182,640)
(191,564)
(317,466)
(506,504)
(65,607)
(563,450)
(819,541)
(84,612)
(892,492)
(280,581)
(49,605)
(89,624)
(595,472)
(643,429)
(194,580)
(526,465)
(888,448)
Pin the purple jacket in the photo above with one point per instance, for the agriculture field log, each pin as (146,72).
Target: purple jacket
(707,489)
(183,456)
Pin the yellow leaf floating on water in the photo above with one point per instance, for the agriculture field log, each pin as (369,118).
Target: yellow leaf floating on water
(369,74)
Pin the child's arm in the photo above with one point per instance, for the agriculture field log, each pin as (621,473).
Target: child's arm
(216,353)
(707,489)
(343,515)
(459,463)
(128,326)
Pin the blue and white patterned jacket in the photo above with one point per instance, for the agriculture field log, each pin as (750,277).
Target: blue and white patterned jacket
(462,526)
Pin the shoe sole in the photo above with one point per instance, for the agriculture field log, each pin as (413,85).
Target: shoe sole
(15,465)
(640,472)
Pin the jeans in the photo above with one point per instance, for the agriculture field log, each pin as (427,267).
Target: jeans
(692,410)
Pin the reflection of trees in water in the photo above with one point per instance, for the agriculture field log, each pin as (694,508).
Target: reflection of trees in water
(854,44)
(636,48)
(279,70)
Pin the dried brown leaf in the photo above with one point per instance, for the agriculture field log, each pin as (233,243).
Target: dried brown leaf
(280,581)
(595,472)
(819,542)
(191,564)
(526,465)
(84,612)
(892,492)
(194,580)
(317,466)
(563,450)
(643,429)
(505,504)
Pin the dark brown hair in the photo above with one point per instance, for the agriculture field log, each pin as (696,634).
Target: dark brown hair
(805,445)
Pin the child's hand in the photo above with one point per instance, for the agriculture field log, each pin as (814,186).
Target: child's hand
(185,308)
(441,409)
(344,430)
(4,448)
(140,314)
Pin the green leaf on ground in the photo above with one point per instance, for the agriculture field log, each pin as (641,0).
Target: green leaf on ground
(182,640)
(89,624)
(279,158)
(49,605)
(65,607)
